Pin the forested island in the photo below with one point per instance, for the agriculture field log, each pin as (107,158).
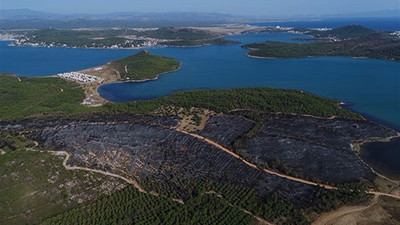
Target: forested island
(349,41)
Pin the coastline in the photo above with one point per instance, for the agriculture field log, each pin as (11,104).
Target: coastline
(160,45)
(108,75)
(356,146)
(260,57)
(119,48)
(94,48)
(349,57)
(145,80)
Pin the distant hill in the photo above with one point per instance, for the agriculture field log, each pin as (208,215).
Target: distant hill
(26,19)
(357,41)
(179,33)
(25,14)
(380,13)
(22,14)
(144,65)
(351,31)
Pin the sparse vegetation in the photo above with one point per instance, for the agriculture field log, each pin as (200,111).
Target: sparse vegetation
(35,185)
(22,97)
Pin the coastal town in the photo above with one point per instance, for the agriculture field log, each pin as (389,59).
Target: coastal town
(79,77)
(137,38)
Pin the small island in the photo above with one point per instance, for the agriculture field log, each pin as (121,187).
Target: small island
(348,41)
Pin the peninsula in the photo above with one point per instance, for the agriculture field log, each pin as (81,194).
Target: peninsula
(121,38)
(348,41)
(140,67)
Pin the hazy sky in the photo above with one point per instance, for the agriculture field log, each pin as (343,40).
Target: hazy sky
(245,7)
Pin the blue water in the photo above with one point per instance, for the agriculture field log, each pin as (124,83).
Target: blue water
(29,61)
(372,87)
(390,24)
(383,156)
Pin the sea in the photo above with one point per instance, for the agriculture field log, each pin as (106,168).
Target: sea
(367,86)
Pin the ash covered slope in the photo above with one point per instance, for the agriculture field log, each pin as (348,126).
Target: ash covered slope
(144,150)
(312,148)
(153,151)
(145,146)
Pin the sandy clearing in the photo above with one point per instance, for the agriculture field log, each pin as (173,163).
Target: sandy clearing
(326,218)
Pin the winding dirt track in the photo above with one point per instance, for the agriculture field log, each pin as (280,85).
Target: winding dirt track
(67,167)
(273,172)
(322,220)
(325,218)
(253,165)
(296,179)
(133,182)
(127,180)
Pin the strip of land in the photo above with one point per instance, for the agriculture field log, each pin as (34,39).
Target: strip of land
(140,67)
(338,42)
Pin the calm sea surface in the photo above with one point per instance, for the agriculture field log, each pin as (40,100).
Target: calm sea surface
(383,157)
(369,86)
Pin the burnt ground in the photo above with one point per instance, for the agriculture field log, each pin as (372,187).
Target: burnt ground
(312,148)
(140,150)
(148,147)
(225,129)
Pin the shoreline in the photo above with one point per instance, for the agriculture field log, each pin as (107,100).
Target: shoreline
(260,57)
(131,48)
(144,80)
(356,146)
(119,48)
(348,57)
(92,48)
(108,75)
